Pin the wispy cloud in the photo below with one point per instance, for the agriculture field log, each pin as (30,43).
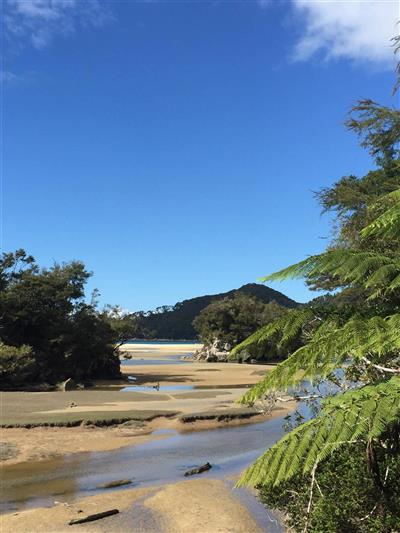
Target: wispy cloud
(359,30)
(6,76)
(38,21)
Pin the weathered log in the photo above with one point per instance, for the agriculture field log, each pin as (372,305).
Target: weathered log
(93,517)
(198,470)
(116,483)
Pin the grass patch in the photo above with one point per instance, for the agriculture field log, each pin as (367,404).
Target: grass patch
(106,418)
(226,414)
(28,409)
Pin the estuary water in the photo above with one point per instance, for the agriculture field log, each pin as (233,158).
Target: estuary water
(161,461)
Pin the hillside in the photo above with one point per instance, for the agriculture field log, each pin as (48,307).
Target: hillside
(176,322)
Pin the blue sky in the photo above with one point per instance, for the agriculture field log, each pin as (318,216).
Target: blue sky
(174,146)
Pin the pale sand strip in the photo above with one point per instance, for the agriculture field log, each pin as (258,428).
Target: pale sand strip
(158,351)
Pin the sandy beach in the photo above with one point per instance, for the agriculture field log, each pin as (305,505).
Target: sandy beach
(192,506)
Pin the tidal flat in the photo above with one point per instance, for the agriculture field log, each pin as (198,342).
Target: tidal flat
(106,431)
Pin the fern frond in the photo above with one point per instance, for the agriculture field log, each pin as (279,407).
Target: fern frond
(282,331)
(329,349)
(387,225)
(361,414)
(352,268)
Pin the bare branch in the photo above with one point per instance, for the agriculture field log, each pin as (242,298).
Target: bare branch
(382,368)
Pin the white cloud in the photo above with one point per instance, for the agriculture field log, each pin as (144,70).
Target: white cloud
(38,21)
(6,76)
(360,30)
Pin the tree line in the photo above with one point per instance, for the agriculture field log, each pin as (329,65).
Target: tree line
(48,331)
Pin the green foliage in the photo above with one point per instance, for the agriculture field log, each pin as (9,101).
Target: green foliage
(176,322)
(45,310)
(346,500)
(353,268)
(357,415)
(378,128)
(126,326)
(278,338)
(387,225)
(356,343)
(330,348)
(231,320)
(17,365)
(348,199)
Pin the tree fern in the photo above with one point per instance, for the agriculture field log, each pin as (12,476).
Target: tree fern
(386,225)
(283,330)
(359,339)
(365,262)
(356,415)
(376,272)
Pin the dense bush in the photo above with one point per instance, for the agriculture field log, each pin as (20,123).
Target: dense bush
(17,365)
(231,320)
(176,322)
(346,499)
(48,331)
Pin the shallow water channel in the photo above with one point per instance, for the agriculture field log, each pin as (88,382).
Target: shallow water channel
(229,450)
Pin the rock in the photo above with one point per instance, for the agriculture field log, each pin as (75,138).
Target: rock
(198,470)
(68,384)
(216,352)
(116,483)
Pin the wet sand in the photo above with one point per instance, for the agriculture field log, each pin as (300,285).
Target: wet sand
(48,442)
(190,506)
(194,506)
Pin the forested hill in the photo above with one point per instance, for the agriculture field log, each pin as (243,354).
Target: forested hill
(176,322)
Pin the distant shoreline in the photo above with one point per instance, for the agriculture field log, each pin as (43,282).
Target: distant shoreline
(164,341)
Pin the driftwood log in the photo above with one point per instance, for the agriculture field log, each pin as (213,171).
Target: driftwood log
(93,517)
(198,470)
(116,483)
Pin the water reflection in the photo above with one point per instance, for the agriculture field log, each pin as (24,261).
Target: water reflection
(228,449)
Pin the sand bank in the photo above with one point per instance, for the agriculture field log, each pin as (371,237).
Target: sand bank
(195,506)
(212,396)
